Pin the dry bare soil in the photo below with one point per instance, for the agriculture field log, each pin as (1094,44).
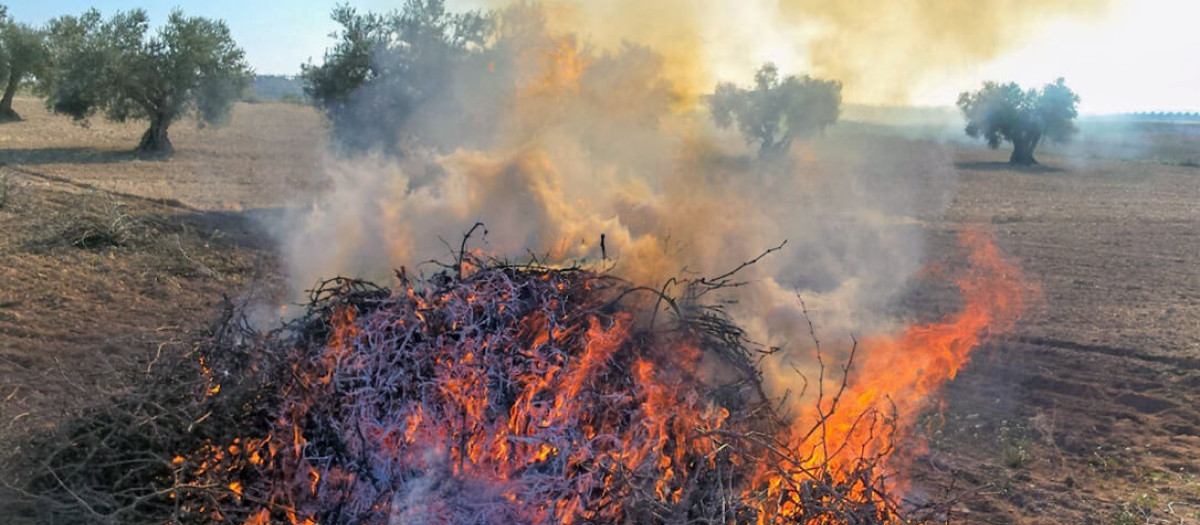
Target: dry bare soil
(1088,414)
(105,256)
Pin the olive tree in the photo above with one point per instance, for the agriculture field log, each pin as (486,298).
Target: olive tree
(191,66)
(23,55)
(1001,113)
(385,66)
(775,111)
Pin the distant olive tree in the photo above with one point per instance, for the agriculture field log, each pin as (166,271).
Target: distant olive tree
(191,66)
(23,55)
(1006,113)
(275,87)
(385,66)
(775,111)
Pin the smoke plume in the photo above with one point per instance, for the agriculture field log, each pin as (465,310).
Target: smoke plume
(879,49)
(564,142)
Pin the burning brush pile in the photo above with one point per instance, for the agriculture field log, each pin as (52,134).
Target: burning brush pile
(487,394)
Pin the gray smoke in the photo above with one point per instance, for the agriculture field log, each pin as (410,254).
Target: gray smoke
(578,142)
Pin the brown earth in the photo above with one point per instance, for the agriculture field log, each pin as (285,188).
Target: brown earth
(1086,415)
(104,256)
(267,154)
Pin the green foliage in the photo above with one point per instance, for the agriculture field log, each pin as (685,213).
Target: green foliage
(385,66)
(24,51)
(191,66)
(75,42)
(775,111)
(23,55)
(1004,112)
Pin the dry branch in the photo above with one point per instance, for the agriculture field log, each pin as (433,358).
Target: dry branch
(488,393)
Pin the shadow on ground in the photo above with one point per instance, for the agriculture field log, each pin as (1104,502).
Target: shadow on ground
(1004,166)
(41,156)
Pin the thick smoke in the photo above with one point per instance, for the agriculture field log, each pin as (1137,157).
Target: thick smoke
(562,143)
(881,50)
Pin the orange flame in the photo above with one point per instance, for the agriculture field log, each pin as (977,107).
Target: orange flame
(658,426)
(898,373)
(905,369)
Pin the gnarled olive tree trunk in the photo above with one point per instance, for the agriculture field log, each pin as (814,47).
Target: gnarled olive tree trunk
(155,139)
(1023,146)
(10,89)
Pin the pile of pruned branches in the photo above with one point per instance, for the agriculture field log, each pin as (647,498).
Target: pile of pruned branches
(488,393)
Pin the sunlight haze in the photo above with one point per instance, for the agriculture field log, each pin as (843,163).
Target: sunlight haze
(1120,55)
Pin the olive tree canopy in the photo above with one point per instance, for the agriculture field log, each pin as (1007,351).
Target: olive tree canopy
(385,66)
(191,66)
(1006,113)
(23,55)
(775,110)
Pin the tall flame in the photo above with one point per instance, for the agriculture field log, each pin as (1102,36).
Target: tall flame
(885,391)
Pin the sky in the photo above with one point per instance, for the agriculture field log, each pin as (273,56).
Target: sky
(1133,55)
(1142,55)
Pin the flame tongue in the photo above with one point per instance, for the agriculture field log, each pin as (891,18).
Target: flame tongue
(914,364)
(862,421)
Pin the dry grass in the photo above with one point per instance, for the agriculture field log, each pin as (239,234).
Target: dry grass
(104,256)
(86,277)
